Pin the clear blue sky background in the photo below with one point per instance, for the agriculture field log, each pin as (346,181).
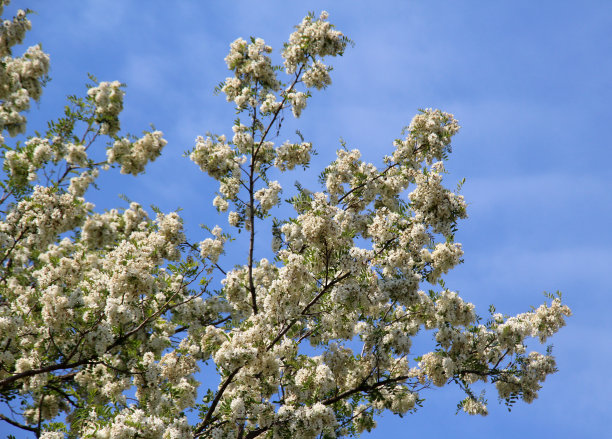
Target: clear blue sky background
(530,83)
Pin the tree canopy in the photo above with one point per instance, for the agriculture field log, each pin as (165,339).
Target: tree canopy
(105,317)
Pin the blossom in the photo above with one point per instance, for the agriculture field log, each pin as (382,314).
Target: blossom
(298,102)
(289,155)
(108,100)
(312,38)
(133,157)
(268,197)
(214,157)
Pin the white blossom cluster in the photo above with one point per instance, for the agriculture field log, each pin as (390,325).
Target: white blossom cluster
(251,65)
(13,31)
(298,102)
(474,407)
(312,38)
(268,197)
(289,155)
(23,165)
(429,137)
(134,156)
(328,289)
(216,158)
(79,184)
(76,287)
(36,222)
(542,323)
(108,100)
(20,78)
(212,248)
(108,280)
(311,41)
(434,204)
(270,105)
(255,86)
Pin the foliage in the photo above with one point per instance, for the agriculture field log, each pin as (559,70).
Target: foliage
(106,317)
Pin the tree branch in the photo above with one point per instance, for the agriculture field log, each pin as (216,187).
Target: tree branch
(364,388)
(17,424)
(215,401)
(307,307)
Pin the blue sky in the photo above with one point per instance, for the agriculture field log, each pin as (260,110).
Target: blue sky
(530,83)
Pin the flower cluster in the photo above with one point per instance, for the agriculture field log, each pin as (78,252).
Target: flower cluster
(37,221)
(251,65)
(270,105)
(215,157)
(211,249)
(23,165)
(76,285)
(21,80)
(434,204)
(298,102)
(108,100)
(268,197)
(13,31)
(79,184)
(133,157)
(429,137)
(289,155)
(312,38)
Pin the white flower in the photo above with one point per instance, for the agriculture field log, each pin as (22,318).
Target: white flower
(133,157)
(233,218)
(108,99)
(220,203)
(268,197)
(473,407)
(214,157)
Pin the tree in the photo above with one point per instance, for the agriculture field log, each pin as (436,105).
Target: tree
(106,317)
